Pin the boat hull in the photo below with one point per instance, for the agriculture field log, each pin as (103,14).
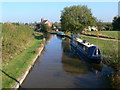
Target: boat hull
(60,35)
(82,54)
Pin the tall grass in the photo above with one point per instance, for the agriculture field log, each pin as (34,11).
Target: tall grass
(15,39)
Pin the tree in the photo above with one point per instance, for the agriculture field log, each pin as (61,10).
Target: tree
(103,26)
(76,18)
(108,26)
(57,25)
(37,27)
(100,25)
(116,23)
(44,28)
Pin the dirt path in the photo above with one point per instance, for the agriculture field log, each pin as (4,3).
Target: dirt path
(101,38)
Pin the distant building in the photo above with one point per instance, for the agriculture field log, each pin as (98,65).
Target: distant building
(46,22)
(91,28)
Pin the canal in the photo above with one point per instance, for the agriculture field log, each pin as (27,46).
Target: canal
(59,67)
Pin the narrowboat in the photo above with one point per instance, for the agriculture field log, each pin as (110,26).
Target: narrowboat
(60,33)
(90,52)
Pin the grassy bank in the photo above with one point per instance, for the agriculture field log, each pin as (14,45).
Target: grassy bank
(15,67)
(15,39)
(104,34)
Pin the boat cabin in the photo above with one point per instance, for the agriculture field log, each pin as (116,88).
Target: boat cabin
(88,49)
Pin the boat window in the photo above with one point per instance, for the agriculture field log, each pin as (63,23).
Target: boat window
(86,49)
(97,52)
(79,45)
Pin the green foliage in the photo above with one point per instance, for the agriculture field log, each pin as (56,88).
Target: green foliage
(15,39)
(57,25)
(116,23)
(108,26)
(45,28)
(104,26)
(100,25)
(76,18)
(18,65)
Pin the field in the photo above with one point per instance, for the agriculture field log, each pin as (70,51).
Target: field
(106,34)
(15,67)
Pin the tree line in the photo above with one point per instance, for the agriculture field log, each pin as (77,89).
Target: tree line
(76,18)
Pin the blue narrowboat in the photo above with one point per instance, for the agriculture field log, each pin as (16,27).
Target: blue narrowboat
(90,52)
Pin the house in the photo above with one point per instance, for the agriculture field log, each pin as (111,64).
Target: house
(91,28)
(43,21)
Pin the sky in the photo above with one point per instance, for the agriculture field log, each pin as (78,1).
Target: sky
(34,11)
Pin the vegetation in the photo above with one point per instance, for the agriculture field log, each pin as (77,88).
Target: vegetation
(19,47)
(108,26)
(103,34)
(15,67)
(57,25)
(116,23)
(15,39)
(42,27)
(76,18)
(104,26)
(45,28)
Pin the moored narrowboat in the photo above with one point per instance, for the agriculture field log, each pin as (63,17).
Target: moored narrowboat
(90,52)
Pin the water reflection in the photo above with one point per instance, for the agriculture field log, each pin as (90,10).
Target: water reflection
(48,37)
(73,64)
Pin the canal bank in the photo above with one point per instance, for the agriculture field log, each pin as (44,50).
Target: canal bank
(22,78)
(13,71)
(59,67)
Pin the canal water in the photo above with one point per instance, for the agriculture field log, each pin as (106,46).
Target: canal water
(59,67)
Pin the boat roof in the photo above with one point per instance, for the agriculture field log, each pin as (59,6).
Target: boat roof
(84,43)
(74,35)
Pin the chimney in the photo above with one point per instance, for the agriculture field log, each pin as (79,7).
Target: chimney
(42,19)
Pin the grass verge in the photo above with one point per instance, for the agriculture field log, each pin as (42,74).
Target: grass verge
(104,34)
(14,68)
